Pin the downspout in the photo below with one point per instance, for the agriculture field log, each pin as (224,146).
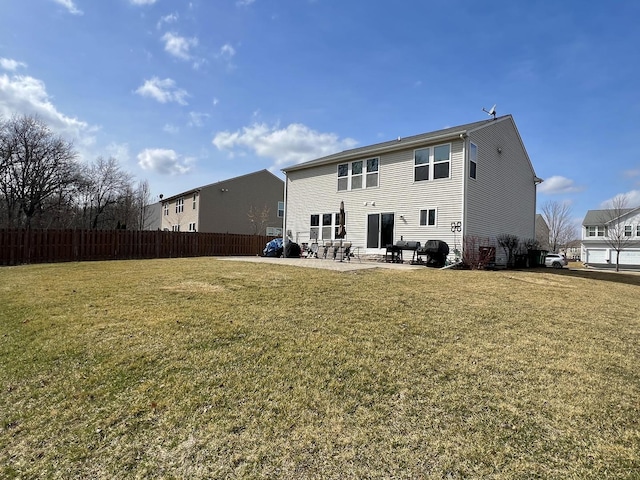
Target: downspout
(284,218)
(465,178)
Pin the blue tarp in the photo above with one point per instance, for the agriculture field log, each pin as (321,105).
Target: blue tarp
(273,248)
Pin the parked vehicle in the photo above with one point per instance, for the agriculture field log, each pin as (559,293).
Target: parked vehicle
(556,260)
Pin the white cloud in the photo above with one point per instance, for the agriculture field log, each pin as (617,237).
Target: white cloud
(627,173)
(142,2)
(172,129)
(197,119)
(227,52)
(215,101)
(28,95)
(163,161)
(10,64)
(558,184)
(293,144)
(163,91)
(244,3)
(120,151)
(631,199)
(178,46)
(70,6)
(171,18)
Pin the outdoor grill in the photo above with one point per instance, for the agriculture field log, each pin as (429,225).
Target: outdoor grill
(435,251)
(394,252)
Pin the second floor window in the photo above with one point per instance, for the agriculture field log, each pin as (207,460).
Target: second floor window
(280,209)
(180,205)
(432,162)
(473,160)
(195,196)
(596,231)
(166,209)
(359,174)
(628,230)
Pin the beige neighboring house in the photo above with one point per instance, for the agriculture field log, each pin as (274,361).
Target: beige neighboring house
(472,181)
(542,232)
(249,204)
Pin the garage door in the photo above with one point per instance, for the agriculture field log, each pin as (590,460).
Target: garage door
(596,255)
(630,257)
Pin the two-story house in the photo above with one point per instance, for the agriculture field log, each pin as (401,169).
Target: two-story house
(606,231)
(248,204)
(465,184)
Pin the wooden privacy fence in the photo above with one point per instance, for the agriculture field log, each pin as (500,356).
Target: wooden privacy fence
(19,246)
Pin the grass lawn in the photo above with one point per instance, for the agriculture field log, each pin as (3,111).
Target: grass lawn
(203,368)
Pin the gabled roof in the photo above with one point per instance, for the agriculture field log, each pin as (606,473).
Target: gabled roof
(221,182)
(398,144)
(600,217)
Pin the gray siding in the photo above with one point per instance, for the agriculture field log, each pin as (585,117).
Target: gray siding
(502,199)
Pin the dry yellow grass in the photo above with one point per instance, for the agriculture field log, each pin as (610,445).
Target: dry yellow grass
(200,368)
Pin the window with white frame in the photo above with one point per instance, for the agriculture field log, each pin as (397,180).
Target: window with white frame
(428,217)
(473,160)
(596,231)
(166,209)
(432,162)
(175,228)
(343,177)
(180,205)
(628,231)
(192,227)
(350,175)
(195,196)
(638,231)
(314,231)
(280,209)
(372,172)
(326,226)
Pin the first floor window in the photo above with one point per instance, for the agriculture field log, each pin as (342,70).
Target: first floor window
(428,217)
(326,226)
(175,228)
(192,227)
(315,227)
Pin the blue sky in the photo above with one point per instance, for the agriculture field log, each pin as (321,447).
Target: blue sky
(188,93)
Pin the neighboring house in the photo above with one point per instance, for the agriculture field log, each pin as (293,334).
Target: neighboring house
(542,232)
(249,204)
(466,184)
(573,250)
(599,233)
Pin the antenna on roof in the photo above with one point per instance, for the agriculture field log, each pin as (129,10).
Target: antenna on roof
(491,112)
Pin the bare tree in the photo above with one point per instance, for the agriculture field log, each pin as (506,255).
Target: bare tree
(105,184)
(259,219)
(35,167)
(509,244)
(618,231)
(143,205)
(562,229)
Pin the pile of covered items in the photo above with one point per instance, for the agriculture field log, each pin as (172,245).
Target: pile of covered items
(435,251)
(276,248)
(273,248)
